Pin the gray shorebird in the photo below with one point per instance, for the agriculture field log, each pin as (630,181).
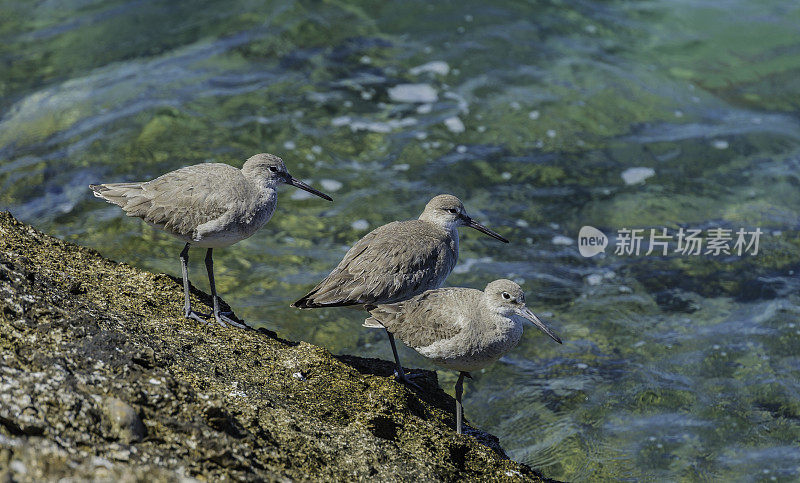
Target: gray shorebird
(208,205)
(460,328)
(397,261)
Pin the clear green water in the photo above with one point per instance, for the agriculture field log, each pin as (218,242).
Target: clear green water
(673,368)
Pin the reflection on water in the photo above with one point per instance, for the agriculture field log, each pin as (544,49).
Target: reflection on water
(542,118)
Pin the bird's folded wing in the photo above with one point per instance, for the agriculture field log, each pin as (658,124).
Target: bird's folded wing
(424,319)
(178,201)
(379,269)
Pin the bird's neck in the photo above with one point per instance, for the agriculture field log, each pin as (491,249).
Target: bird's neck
(450,226)
(504,319)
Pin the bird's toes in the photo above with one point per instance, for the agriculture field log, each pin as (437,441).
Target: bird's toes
(224,320)
(191,314)
(406,378)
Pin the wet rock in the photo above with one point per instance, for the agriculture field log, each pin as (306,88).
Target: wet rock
(101,378)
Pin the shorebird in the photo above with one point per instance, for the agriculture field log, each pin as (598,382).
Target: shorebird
(397,261)
(460,328)
(208,205)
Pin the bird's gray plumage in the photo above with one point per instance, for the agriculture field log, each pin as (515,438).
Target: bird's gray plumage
(427,318)
(382,267)
(207,205)
(397,261)
(460,328)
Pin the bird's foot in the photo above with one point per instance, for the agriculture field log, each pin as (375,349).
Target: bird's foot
(406,378)
(224,319)
(191,314)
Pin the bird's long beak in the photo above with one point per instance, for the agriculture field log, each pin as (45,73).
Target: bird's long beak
(296,182)
(474,224)
(526,313)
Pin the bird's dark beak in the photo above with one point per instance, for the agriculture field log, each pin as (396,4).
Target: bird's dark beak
(474,224)
(299,184)
(526,313)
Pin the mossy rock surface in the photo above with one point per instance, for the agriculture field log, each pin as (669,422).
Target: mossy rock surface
(102,378)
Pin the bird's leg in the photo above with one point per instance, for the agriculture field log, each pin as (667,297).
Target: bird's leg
(187,306)
(221,317)
(399,373)
(459,393)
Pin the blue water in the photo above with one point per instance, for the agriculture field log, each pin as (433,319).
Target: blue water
(539,116)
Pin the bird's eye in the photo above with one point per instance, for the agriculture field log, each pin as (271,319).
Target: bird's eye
(274,169)
(506,295)
(452,210)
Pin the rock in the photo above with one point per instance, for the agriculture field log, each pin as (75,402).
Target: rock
(123,421)
(101,378)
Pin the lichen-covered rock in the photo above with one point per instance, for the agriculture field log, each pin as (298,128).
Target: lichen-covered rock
(100,377)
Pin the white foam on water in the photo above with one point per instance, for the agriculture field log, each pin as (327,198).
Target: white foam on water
(360,224)
(298,195)
(467,264)
(330,184)
(594,279)
(454,124)
(720,144)
(289,145)
(463,105)
(534,115)
(413,93)
(340,121)
(373,126)
(439,67)
(637,175)
(562,240)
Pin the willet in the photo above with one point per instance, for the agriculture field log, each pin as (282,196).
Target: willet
(460,328)
(397,261)
(208,205)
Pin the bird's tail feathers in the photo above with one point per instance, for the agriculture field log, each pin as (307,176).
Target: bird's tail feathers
(116,193)
(373,323)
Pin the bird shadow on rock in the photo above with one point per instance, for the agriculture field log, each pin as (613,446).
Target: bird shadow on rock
(206,300)
(428,391)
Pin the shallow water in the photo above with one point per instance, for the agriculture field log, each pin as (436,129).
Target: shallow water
(673,367)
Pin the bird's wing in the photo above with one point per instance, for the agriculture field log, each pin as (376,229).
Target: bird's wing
(178,201)
(385,266)
(425,319)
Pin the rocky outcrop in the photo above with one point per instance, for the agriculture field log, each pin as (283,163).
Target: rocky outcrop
(101,378)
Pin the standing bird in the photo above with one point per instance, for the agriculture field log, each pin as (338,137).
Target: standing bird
(397,261)
(208,205)
(460,328)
